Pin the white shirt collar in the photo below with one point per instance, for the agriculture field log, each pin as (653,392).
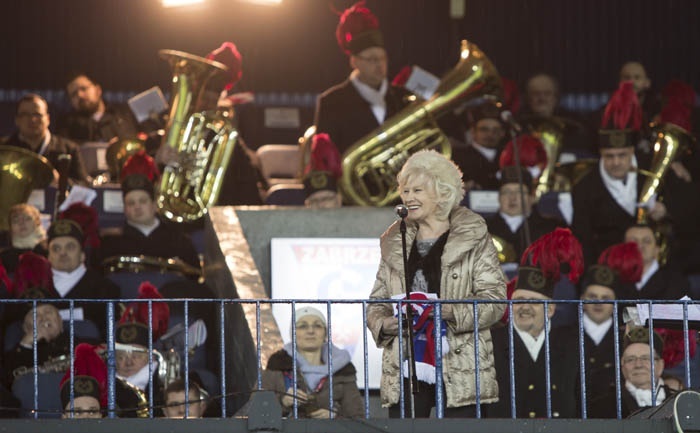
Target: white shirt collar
(146,230)
(514,222)
(64,282)
(486,152)
(373,96)
(594,330)
(532,344)
(648,274)
(643,396)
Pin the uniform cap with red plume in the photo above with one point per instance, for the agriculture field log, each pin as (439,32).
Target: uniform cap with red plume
(618,265)
(358,29)
(555,253)
(89,376)
(324,156)
(674,345)
(33,277)
(228,54)
(532,153)
(622,118)
(87,219)
(133,324)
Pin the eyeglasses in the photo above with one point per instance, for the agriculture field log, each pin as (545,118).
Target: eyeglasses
(374,59)
(646,359)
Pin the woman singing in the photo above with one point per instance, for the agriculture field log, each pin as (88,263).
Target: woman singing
(451,257)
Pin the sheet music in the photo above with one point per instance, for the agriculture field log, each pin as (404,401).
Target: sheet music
(668,311)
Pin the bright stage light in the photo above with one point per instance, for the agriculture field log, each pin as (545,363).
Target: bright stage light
(265,2)
(176,3)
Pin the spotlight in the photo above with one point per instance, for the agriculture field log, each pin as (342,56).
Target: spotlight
(177,3)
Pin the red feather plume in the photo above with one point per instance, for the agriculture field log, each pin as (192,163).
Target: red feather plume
(138,311)
(33,272)
(532,153)
(324,156)
(228,54)
(556,252)
(140,163)
(510,288)
(623,110)
(86,217)
(402,77)
(511,95)
(680,92)
(674,345)
(353,21)
(624,258)
(88,363)
(5,279)
(676,113)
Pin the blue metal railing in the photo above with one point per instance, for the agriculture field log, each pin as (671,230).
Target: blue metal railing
(683,323)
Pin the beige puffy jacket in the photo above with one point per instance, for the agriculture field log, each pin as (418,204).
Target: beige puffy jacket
(470,270)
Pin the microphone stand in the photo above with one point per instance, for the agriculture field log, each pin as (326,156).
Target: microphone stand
(516,156)
(62,167)
(413,382)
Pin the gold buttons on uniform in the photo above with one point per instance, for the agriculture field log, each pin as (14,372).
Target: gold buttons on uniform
(530,387)
(532,414)
(554,387)
(592,360)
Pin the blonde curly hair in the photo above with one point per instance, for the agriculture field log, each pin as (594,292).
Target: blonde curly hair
(443,177)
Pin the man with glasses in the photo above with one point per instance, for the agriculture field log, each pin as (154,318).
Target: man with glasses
(32,121)
(353,108)
(638,379)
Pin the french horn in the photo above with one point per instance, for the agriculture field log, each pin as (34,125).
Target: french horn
(371,164)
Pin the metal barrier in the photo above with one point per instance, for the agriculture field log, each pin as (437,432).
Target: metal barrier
(687,321)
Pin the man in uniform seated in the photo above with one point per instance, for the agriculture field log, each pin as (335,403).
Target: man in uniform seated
(26,234)
(509,223)
(72,279)
(535,281)
(144,233)
(32,121)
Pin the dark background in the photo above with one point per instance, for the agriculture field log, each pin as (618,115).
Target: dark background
(291,48)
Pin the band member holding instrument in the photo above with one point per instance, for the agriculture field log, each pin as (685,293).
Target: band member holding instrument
(32,121)
(606,199)
(351,109)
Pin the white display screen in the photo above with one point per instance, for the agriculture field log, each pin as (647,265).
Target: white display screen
(329,268)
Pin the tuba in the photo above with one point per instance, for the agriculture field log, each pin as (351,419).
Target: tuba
(371,164)
(203,140)
(21,171)
(669,141)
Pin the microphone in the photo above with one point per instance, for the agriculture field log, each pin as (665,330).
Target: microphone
(401,210)
(508,119)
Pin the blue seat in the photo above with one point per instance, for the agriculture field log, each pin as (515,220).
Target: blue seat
(49,396)
(83,329)
(286,194)
(129,282)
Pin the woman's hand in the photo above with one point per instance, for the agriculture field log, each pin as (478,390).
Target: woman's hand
(390,326)
(320,414)
(288,399)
